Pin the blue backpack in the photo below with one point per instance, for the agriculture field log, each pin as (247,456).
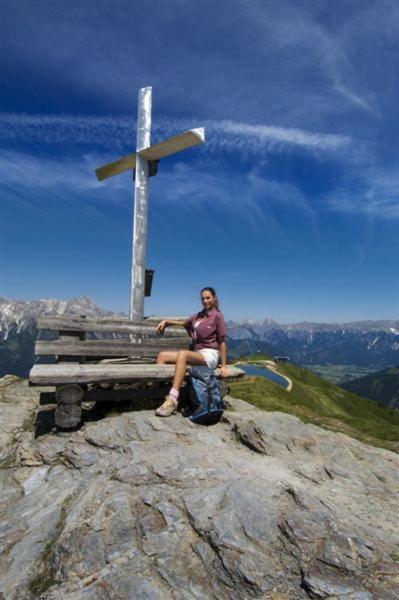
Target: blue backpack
(205,396)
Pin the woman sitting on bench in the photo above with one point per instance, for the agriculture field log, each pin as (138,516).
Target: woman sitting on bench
(207,329)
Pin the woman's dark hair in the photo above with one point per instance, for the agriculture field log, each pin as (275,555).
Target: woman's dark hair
(212,291)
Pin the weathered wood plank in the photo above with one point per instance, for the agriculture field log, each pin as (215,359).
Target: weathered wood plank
(146,327)
(71,337)
(177,143)
(116,167)
(108,347)
(64,373)
(110,395)
(140,360)
(154,319)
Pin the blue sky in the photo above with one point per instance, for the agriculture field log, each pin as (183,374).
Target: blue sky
(291,207)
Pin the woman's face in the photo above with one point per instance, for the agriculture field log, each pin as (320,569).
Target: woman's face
(208,301)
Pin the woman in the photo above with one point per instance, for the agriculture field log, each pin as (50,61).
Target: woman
(208,331)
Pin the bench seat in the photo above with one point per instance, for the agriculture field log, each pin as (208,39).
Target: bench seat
(65,373)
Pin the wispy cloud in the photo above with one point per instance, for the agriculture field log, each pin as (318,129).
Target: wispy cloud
(375,194)
(200,192)
(40,186)
(252,195)
(314,45)
(118,133)
(278,137)
(23,170)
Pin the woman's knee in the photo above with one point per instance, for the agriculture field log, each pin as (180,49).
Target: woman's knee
(161,357)
(182,356)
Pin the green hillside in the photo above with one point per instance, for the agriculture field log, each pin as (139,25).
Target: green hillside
(382,387)
(322,403)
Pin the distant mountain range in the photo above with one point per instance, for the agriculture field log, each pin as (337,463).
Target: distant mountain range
(383,386)
(365,343)
(362,343)
(18,330)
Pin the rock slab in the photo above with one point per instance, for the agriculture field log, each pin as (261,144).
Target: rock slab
(258,506)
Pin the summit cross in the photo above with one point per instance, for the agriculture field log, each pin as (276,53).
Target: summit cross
(144,161)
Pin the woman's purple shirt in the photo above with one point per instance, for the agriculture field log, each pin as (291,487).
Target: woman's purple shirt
(211,331)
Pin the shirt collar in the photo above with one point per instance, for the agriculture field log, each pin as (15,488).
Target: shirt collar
(210,312)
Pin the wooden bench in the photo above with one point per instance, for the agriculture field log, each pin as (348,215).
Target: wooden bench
(86,369)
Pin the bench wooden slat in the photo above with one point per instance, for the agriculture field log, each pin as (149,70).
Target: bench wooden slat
(108,325)
(109,347)
(100,395)
(115,373)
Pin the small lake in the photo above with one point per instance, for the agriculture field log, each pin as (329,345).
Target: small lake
(263,372)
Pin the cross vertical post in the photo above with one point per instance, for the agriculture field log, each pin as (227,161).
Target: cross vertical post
(139,246)
(143,162)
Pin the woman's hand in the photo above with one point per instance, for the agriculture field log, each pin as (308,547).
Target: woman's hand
(223,372)
(161,327)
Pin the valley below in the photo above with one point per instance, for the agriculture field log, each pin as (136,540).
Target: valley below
(340,373)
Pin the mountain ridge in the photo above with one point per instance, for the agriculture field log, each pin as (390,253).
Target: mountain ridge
(382,386)
(12,311)
(364,343)
(369,324)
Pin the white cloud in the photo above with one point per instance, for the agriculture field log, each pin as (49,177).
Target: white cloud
(280,136)
(200,190)
(22,170)
(369,190)
(118,134)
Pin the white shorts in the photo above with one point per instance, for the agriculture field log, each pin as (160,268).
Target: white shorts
(211,357)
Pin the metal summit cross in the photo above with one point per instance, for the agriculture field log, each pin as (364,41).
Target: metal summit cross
(145,161)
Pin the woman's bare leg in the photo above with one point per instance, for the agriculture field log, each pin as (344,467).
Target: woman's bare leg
(167,357)
(181,358)
(185,357)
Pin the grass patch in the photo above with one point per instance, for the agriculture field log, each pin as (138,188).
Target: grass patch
(395,555)
(318,401)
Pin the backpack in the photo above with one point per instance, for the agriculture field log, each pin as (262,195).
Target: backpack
(205,396)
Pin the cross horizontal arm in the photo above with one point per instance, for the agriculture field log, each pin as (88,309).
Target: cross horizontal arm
(114,168)
(177,143)
(193,137)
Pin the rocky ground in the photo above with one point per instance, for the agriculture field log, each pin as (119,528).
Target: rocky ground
(133,506)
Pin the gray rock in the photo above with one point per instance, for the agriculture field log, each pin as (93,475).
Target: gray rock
(258,506)
(17,408)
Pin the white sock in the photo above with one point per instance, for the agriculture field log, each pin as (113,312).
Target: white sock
(174,393)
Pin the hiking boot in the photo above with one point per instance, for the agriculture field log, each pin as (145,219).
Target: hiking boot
(168,408)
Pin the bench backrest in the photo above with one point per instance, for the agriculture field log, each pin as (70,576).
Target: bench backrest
(136,339)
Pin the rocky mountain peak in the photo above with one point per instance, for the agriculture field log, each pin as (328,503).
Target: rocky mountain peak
(260,505)
(18,315)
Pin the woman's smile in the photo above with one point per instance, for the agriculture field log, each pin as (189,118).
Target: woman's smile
(207,300)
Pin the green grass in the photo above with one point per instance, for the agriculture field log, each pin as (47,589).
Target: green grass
(318,401)
(382,387)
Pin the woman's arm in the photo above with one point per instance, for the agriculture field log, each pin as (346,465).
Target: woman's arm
(223,356)
(168,323)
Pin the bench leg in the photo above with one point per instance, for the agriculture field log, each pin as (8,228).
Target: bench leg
(68,413)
